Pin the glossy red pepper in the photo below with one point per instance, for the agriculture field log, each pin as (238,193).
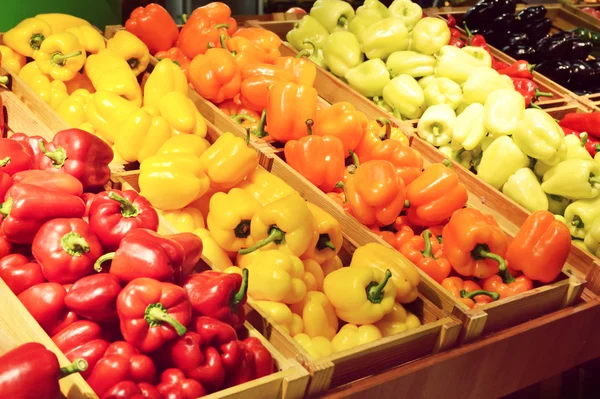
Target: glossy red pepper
(32,146)
(6,247)
(88,198)
(2,121)
(78,153)
(589,123)
(256,362)
(529,90)
(27,207)
(519,69)
(113,214)
(218,295)
(95,297)
(174,385)
(131,390)
(32,371)
(154,26)
(152,313)
(55,181)
(82,339)
(46,303)
(14,157)
(497,64)
(19,273)
(6,182)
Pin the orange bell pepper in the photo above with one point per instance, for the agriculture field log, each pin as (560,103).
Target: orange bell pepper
(407,160)
(265,39)
(396,238)
(474,244)
(218,13)
(245,52)
(375,193)
(378,130)
(245,117)
(340,199)
(343,121)
(434,196)
(319,159)
(256,80)
(215,76)
(176,55)
(154,26)
(303,71)
(289,106)
(541,247)
(469,292)
(513,286)
(199,34)
(426,253)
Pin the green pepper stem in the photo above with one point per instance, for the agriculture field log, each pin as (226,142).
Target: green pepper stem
(77,366)
(304,54)
(482,251)
(577,222)
(343,187)
(260,131)
(312,44)
(222,38)
(355,160)
(343,22)
(156,314)
(534,106)
(58,156)
(375,290)
(584,138)
(35,41)
(325,242)
(133,63)
(309,124)
(248,136)
(241,118)
(61,59)
(184,18)
(406,203)
(276,235)
(5,207)
(447,162)
(241,294)
(74,244)
(102,259)
(4,162)
(427,253)
(539,93)
(388,128)
(221,26)
(470,295)
(242,230)
(128,209)
(469,35)
(3,80)
(594,180)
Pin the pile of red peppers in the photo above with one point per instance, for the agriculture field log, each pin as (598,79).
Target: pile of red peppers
(92,270)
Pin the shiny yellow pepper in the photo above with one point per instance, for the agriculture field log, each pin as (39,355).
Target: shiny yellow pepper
(80,81)
(91,40)
(60,56)
(61,22)
(12,60)
(313,275)
(184,144)
(397,321)
(281,315)
(172,181)
(131,49)
(107,112)
(229,218)
(405,276)
(27,36)
(166,77)
(350,336)
(265,187)
(360,295)
(331,265)
(185,220)
(318,315)
(109,72)
(52,92)
(228,161)
(316,347)
(72,110)
(285,224)
(328,239)
(276,277)
(182,114)
(217,257)
(141,135)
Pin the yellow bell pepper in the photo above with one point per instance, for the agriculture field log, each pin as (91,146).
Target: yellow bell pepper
(218,258)
(60,56)
(109,72)
(184,144)
(61,22)
(27,36)
(331,265)
(360,295)
(80,81)
(266,187)
(107,112)
(72,110)
(316,347)
(172,181)
(131,49)
(203,204)
(281,315)
(12,60)
(405,276)
(397,321)
(276,277)
(351,336)
(229,218)
(91,40)
(228,161)
(182,114)
(313,275)
(166,77)
(53,92)
(141,135)
(90,129)
(185,220)
(318,315)
(285,224)
(328,239)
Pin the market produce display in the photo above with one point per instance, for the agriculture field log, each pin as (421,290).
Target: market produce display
(592,11)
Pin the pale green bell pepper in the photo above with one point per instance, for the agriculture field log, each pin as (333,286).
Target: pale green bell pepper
(480,53)
(455,64)
(384,37)
(500,160)
(369,78)
(334,15)
(430,35)
(404,94)
(469,128)
(524,188)
(307,28)
(410,12)
(557,205)
(573,179)
(373,8)
(443,91)
(360,23)
(580,216)
(482,82)
(539,136)
(503,110)
(410,63)
(435,126)
(424,82)
(592,238)
(341,51)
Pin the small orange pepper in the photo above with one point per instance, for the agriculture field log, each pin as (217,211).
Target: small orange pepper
(176,55)
(215,76)
(469,292)
(425,252)
(265,39)
(303,71)
(343,121)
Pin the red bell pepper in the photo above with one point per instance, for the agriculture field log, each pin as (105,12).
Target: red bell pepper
(256,362)
(220,335)
(529,90)
(32,371)
(5,247)
(154,26)
(218,13)
(6,182)
(142,368)
(219,295)
(174,385)
(426,253)
(27,207)
(95,297)
(55,181)
(152,312)
(19,273)
(131,390)
(144,253)
(589,123)
(113,214)
(88,198)
(82,339)
(513,286)
(32,146)
(519,69)
(13,157)
(46,303)
(2,121)
(78,153)
(66,249)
